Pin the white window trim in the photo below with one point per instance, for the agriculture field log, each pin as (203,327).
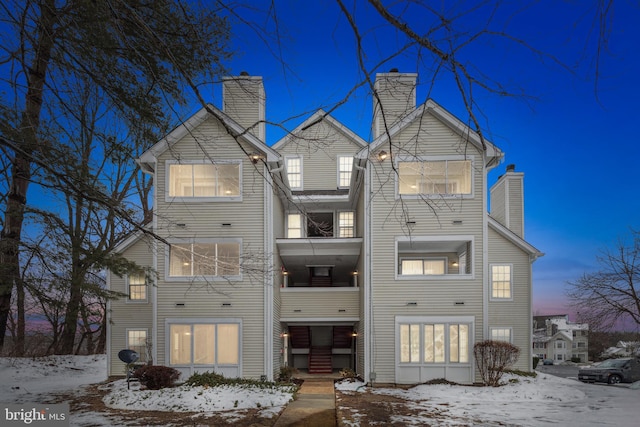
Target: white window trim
(491,297)
(128,291)
(167,181)
(201,321)
(491,329)
(303,228)
(400,159)
(440,277)
(447,320)
(301,187)
(167,259)
(126,339)
(337,224)
(338,157)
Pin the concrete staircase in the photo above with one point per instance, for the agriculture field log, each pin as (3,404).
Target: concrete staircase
(320,360)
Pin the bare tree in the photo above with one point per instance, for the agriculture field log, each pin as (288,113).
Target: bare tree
(138,54)
(610,295)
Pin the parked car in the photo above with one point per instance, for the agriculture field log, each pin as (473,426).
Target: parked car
(612,371)
(547,362)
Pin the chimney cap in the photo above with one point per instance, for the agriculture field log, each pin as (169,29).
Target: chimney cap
(244,73)
(511,168)
(393,70)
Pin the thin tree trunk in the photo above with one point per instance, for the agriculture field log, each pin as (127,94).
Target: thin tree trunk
(70,329)
(18,347)
(11,234)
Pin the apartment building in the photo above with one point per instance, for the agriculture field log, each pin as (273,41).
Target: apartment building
(555,337)
(323,250)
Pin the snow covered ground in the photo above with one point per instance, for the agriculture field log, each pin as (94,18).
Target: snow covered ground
(545,400)
(542,401)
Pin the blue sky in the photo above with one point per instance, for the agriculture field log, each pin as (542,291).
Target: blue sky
(574,140)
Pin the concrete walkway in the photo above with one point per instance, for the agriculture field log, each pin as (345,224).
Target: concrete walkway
(314,407)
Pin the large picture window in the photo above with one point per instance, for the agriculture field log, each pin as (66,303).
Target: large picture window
(421,267)
(207,259)
(426,343)
(435,177)
(209,344)
(202,180)
(434,257)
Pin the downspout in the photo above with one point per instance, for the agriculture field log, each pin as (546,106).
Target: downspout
(366,286)
(268,285)
(154,286)
(532,258)
(485,252)
(107,315)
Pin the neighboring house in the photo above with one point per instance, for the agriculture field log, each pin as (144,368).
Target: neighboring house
(325,251)
(622,349)
(556,338)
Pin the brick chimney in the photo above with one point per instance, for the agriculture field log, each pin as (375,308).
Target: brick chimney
(396,97)
(243,99)
(507,200)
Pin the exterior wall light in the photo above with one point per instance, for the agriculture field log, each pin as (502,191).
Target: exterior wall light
(255,157)
(382,155)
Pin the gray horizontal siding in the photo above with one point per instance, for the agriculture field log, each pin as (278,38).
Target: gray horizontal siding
(516,313)
(125,314)
(320,303)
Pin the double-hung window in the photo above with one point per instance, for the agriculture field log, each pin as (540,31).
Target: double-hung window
(294,172)
(294,226)
(501,282)
(137,341)
(345,224)
(345,164)
(205,259)
(137,284)
(437,177)
(501,334)
(202,180)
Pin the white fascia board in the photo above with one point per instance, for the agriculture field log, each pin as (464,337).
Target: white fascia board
(493,153)
(193,122)
(318,116)
(126,243)
(511,236)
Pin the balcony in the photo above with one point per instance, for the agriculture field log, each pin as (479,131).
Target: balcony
(319,262)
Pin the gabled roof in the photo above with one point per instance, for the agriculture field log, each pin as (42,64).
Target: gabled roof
(148,158)
(317,117)
(430,106)
(129,241)
(514,238)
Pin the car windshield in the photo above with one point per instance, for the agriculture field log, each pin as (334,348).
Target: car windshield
(613,363)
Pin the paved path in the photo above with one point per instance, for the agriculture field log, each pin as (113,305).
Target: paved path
(314,407)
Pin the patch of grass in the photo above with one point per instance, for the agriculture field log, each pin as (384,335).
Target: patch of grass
(437,381)
(211,379)
(521,373)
